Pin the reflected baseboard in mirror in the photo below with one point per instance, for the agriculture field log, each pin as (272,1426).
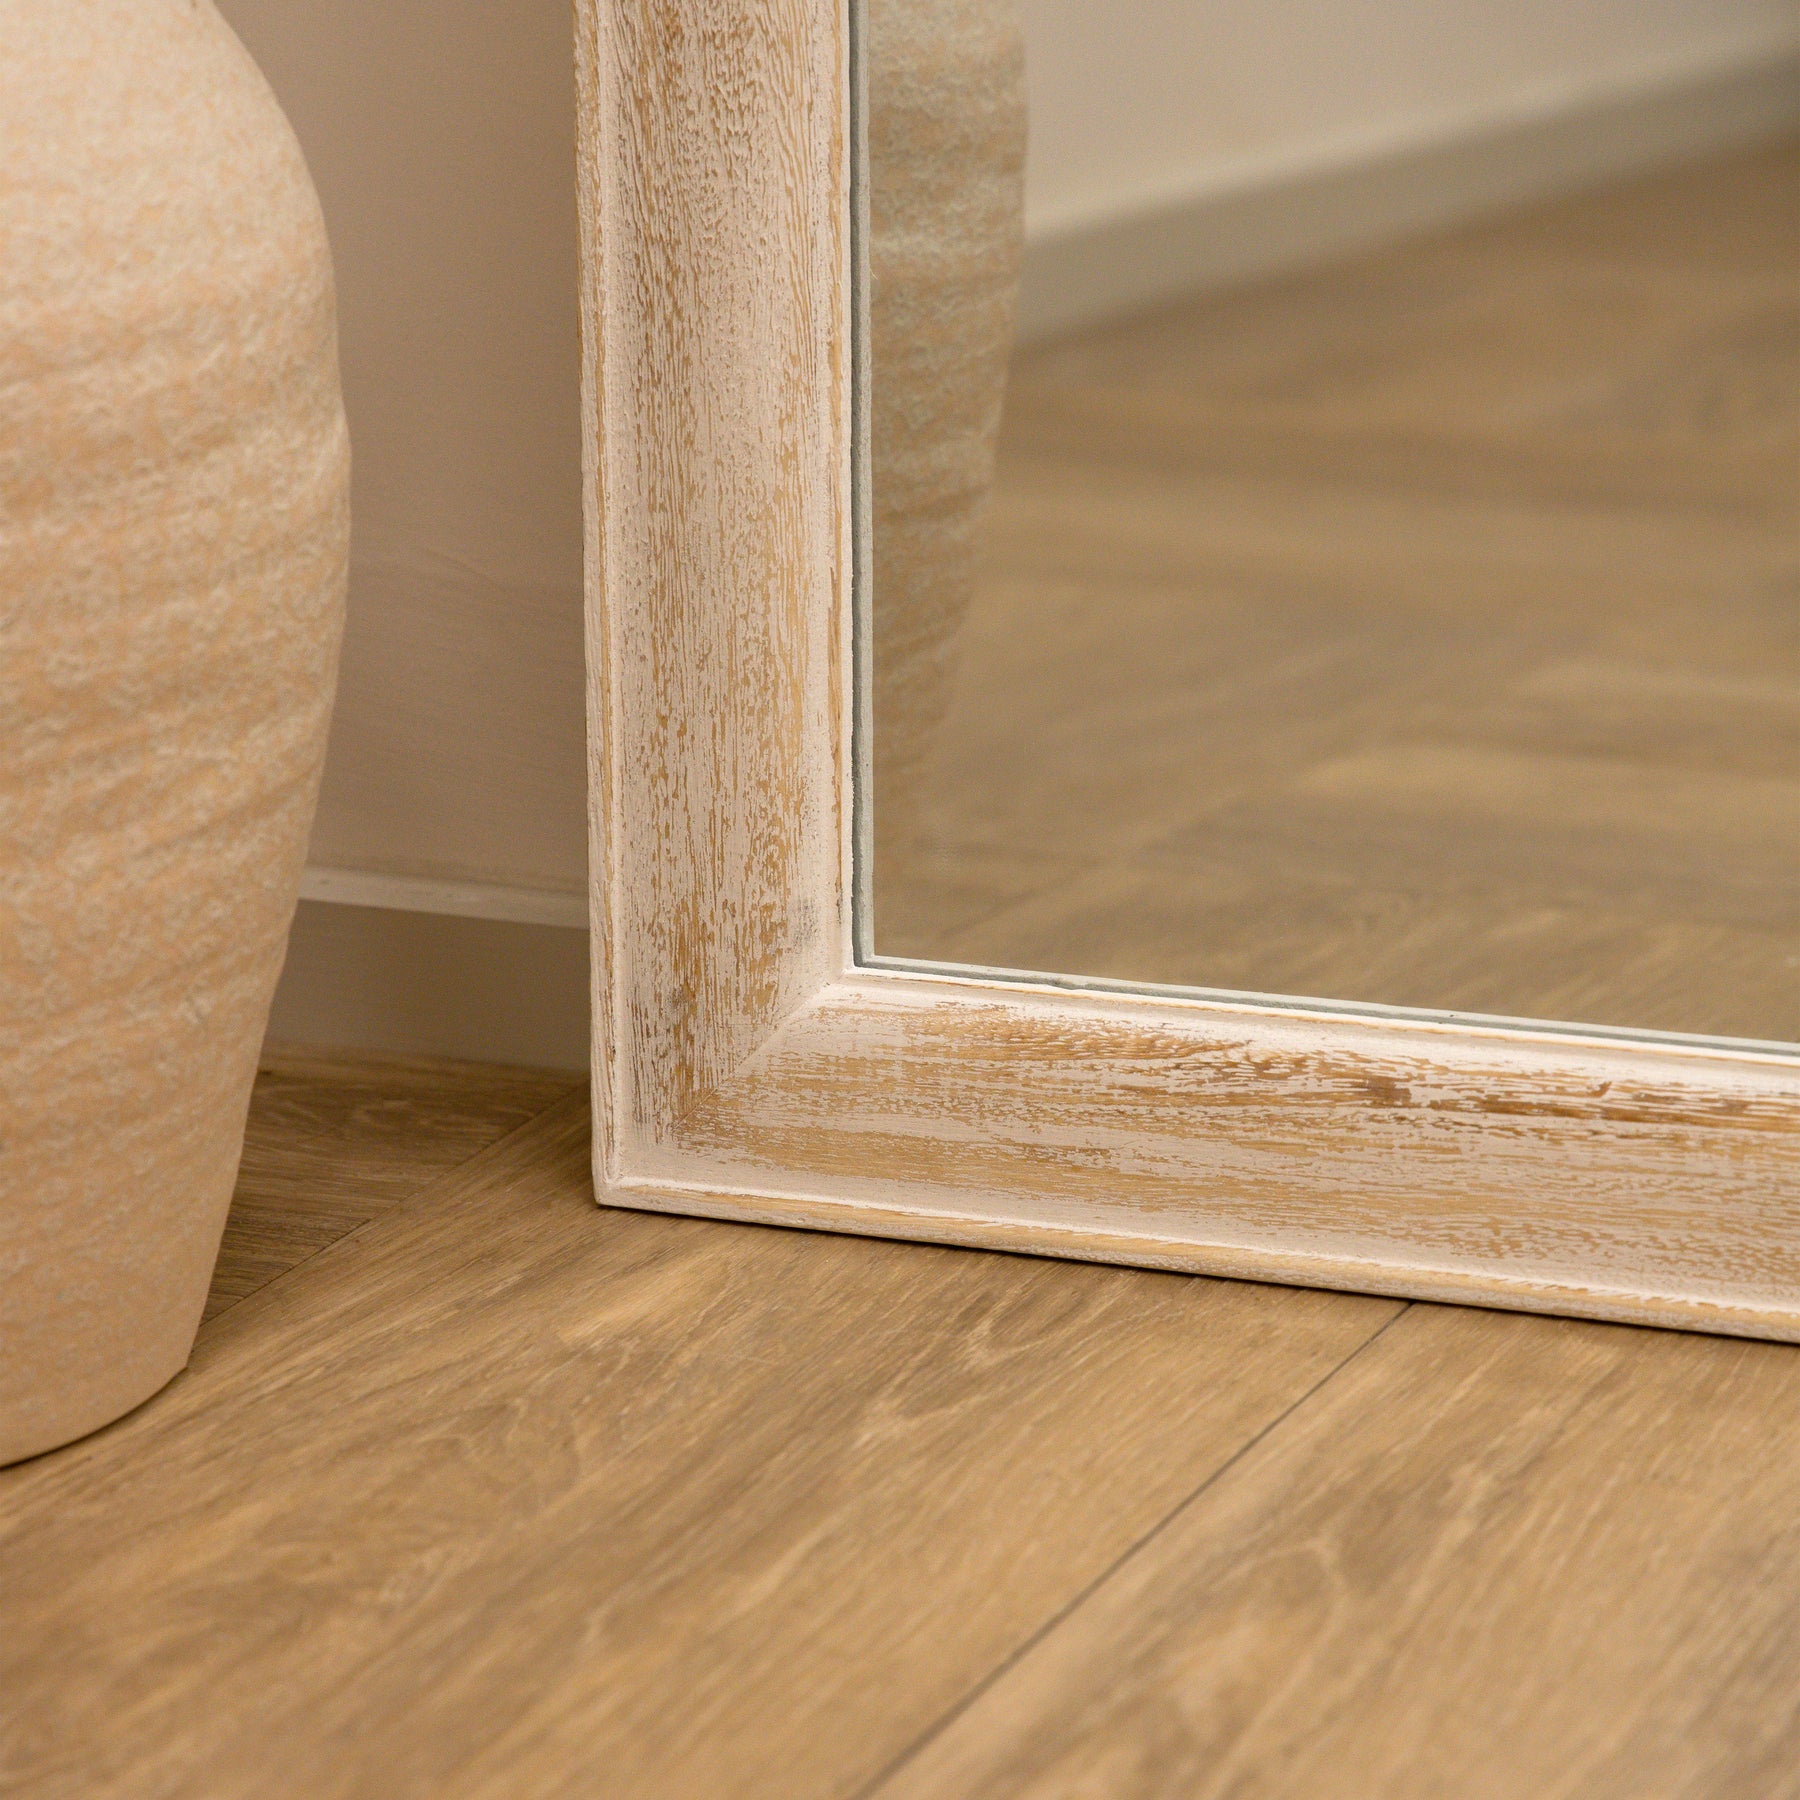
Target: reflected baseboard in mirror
(1418,630)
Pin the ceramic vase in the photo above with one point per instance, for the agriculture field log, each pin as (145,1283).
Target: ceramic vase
(173,535)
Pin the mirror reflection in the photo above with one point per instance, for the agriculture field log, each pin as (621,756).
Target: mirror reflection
(1332,519)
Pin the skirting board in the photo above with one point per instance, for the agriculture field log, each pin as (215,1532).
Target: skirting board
(1265,216)
(434,984)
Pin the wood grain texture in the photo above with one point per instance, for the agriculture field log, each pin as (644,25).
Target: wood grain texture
(502,1496)
(744,1066)
(1601,1180)
(715,217)
(1493,1556)
(334,1140)
(1419,628)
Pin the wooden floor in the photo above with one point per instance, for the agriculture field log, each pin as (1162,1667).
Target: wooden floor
(335,1141)
(498,1495)
(1423,630)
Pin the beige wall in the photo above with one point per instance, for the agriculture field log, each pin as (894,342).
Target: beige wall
(440,134)
(1137,103)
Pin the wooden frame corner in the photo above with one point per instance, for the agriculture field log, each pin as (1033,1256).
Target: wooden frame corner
(748,1066)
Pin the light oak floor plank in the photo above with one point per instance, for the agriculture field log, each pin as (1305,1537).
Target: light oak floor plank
(1515,1558)
(1421,629)
(502,1495)
(334,1139)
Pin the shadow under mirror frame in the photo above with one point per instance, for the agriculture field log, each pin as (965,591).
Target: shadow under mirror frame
(747,1065)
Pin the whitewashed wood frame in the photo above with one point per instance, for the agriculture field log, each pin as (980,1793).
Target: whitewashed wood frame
(748,1066)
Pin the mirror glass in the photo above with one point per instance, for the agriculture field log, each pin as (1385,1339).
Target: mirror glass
(1329,497)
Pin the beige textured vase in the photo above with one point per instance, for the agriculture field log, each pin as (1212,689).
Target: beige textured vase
(946,82)
(173,533)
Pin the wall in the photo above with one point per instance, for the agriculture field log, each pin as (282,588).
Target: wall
(1211,141)
(440,134)
(1137,103)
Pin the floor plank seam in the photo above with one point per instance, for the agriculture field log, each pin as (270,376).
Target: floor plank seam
(432,1181)
(1016,1656)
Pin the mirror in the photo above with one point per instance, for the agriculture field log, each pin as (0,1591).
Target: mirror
(1330,497)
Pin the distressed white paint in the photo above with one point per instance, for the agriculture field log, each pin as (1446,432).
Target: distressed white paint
(744,1069)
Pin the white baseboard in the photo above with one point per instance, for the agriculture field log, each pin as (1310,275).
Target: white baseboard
(1260,216)
(434,983)
(459,899)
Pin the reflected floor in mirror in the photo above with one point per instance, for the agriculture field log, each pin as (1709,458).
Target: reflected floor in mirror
(1417,630)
